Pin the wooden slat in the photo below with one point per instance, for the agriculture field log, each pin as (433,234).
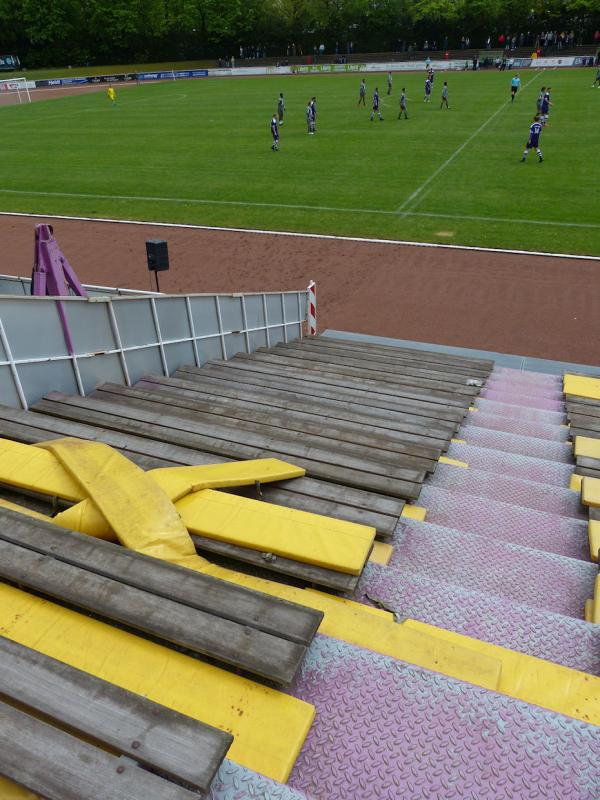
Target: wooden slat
(196,631)
(303,573)
(357,505)
(316,443)
(59,766)
(589,423)
(423,354)
(376,446)
(178,746)
(194,589)
(158,427)
(239,373)
(325,345)
(591,434)
(352,379)
(406,376)
(300,412)
(266,437)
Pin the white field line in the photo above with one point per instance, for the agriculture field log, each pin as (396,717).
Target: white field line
(297,207)
(296,235)
(459,150)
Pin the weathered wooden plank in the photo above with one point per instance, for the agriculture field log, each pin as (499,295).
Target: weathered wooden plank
(196,631)
(592,434)
(59,766)
(430,355)
(357,379)
(582,409)
(178,746)
(194,589)
(300,411)
(331,491)
(312,345)
(356,505)
(591,464)
(173,430)
(325,362)
(304,573)
(318,444)
(376,446)
(588,423)
(235,372)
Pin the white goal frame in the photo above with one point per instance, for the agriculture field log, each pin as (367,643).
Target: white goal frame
(16,86)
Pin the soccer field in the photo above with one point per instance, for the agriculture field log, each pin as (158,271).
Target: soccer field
(198,151)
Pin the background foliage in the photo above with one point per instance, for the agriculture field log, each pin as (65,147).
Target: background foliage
(80,32)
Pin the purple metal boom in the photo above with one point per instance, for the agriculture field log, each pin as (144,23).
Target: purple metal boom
(53,276)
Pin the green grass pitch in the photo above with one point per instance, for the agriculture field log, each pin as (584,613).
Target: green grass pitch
(198,151)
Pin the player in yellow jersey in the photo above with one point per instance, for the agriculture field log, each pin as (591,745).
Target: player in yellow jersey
(112,95)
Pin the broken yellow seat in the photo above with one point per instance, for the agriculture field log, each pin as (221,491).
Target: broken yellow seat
(594,539)
(590,492)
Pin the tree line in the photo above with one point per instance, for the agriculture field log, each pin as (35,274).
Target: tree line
(81,32)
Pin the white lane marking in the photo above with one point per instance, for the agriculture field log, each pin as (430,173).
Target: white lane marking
(297,235)
(297,207)
(459,150)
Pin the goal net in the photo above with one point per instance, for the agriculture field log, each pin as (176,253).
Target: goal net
(14,90)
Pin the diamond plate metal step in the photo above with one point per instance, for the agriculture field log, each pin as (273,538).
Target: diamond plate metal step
(522,413)
(234,782)
(490,618)
(517,398)
(505,522)
(515,426)
(503,488)
(512,443)
(479,563)
(539,470)
(390,731)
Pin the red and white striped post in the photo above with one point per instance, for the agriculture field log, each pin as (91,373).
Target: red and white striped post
(312,308)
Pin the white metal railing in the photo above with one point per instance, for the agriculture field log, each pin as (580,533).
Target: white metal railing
(121,338)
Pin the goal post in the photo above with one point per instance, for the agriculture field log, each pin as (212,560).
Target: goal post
(17,88)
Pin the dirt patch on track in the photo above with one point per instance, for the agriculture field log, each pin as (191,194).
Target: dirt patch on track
(523,304)
(56,92)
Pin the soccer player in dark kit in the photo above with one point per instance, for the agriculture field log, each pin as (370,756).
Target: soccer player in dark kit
(376,106)
(534,139)
(274,134)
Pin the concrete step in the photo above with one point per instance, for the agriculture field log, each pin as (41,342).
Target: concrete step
(500,521)
(388,730)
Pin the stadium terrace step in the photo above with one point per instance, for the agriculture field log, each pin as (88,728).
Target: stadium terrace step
(388,730)
(234,782)
(556,637)
(516,398)
(518,427)
(505,522)
(498,462)
(522,413)
(517,573)
(517,445)
(529,376)
(505,489)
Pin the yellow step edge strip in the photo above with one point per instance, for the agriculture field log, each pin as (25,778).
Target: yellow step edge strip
(455,462)
(594,539)
(473,408)
(590,492)
(575,483)
(381,553)
(458,441)
(417,513)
